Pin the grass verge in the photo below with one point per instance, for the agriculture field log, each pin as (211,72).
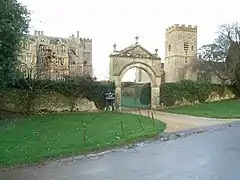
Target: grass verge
(227,109)
(43,137)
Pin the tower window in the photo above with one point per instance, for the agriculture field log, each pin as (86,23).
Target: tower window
(169,47)
(185,45)
(41,48)
(185,59)
(62,61)
(192,47)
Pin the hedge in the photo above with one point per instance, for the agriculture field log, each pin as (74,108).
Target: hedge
(176,92)
(235,89)
(77,87)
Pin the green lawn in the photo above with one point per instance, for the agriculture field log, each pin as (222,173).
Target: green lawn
(220,109)
(37,138)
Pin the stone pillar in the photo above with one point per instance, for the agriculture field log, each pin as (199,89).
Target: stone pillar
(118,95)
(118,92)
(155,100)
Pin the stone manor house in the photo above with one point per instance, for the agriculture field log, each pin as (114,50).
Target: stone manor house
(71,56)
(180,62)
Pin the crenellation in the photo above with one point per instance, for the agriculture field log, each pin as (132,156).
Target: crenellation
(85,39)
(182,27)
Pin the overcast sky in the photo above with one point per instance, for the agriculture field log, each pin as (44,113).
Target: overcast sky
(109,21)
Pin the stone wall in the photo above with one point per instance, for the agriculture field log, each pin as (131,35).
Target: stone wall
(15,100)
(214,96)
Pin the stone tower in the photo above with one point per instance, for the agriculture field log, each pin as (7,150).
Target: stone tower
(180,52)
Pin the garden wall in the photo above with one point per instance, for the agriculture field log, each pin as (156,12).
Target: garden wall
(187,92)
(15,100)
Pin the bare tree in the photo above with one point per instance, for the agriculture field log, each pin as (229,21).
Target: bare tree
(77,87)
(222,57)
(34,77)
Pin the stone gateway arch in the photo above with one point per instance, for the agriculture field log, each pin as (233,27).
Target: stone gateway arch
(136,56)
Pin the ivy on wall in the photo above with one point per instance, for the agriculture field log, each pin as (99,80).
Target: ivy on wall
(192,91)
(72,89)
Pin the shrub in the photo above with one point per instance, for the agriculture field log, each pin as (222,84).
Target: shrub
(87,88)
(220,89)
(235,89)
(203,91)
(170,93)
(72,88)
(187,89)
(97,94)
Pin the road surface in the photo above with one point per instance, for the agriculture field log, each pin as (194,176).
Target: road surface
(212,155)
(178,122)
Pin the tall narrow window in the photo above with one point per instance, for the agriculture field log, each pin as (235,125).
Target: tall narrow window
(62,61)
(192,47)
(169,47)
(41,48)
(185,46)
(26,46)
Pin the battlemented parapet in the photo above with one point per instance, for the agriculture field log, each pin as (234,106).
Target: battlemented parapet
(38,33)
(182,27)
(85,39)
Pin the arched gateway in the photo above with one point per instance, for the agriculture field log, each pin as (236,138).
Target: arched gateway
(136,56)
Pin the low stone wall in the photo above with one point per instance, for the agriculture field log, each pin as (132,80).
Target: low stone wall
(214,96)
(15,100)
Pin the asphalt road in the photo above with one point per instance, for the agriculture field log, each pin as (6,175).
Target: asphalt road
(207,156)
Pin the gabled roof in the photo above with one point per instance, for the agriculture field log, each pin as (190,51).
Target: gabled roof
(136,51)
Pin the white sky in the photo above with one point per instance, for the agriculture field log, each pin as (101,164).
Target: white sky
(109,21)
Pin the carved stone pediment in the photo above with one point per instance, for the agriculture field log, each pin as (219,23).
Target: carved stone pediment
(135,51)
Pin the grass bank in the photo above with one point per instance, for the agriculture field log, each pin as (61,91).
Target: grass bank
(38,138)
(220,109)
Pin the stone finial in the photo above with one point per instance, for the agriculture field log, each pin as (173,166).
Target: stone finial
(136,38)
(114,47)
(156,51)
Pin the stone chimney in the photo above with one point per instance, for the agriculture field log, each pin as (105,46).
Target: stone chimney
(42,32)
(35,33)
(78,34)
